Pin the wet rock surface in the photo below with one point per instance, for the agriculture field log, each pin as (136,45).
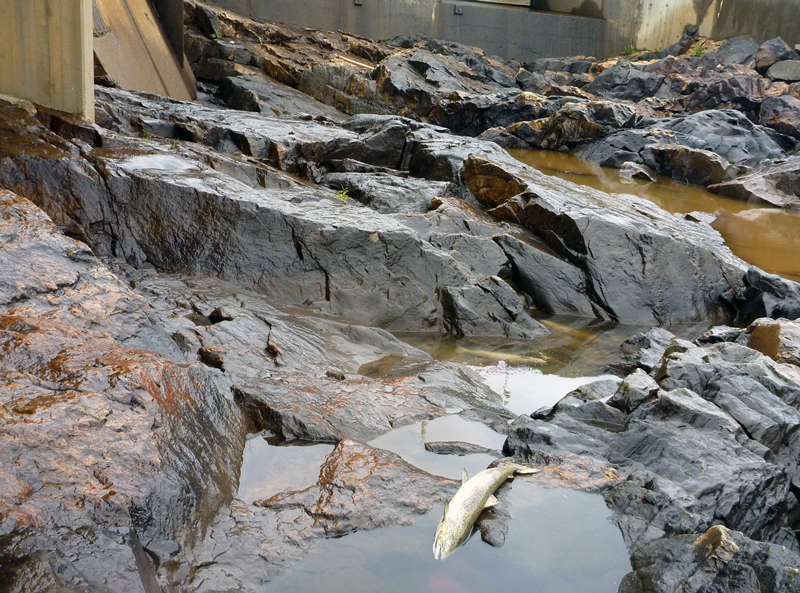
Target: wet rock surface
(178,275)
(105,447)
(701,435)
(776,185)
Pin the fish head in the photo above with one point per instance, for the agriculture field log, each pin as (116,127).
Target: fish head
(446,540)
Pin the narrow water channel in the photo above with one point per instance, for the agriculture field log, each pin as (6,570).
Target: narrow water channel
(765,237)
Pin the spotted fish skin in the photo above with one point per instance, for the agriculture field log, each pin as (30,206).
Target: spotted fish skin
(463,510)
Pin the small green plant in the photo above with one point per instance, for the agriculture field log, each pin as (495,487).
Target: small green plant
(175,144)
(214,36)
(342,194)
(146,135)
(698,51)
(629,50)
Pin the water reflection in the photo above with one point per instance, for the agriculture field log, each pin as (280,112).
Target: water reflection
(765,237)
(525,390)
(409,443)
(559,541)
(268,469)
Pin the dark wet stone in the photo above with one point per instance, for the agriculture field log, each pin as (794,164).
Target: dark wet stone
(264,96)
(541,205)
(554,285)
(172,243)
(578,65)
(482,68)
(626,82)
(721,333)
(754,390)
(326,410)
(643,350)
(206,20)
(636,389)
(631,170)
(668,435)
(737,50)
(458,448)
(782,114)
(387,193)
(684,164)
(787,71)
(576,123)
(717,560)
(783,302)
(727,133)
(151,445)
(503,138)
(473,115)
(532,81)
(771,52)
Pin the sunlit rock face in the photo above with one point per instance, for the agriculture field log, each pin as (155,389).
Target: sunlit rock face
(107,433)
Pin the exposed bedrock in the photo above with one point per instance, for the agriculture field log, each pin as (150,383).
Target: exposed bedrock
(296,242)
(443,266)
(119,465)
(706,437)
(626,259)
(548,103)
(111,443)
(775,185)
(726,133)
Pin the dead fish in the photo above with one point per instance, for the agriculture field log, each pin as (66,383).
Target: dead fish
(475,494)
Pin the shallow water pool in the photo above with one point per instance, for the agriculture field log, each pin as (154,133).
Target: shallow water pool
(558,541)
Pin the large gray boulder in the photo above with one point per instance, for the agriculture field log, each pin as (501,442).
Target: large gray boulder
(727,133)
(601,237)
(771,52)
(782,114)
(787,71)
(626,82)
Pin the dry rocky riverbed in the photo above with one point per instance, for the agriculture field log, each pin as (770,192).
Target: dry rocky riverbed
(178,276)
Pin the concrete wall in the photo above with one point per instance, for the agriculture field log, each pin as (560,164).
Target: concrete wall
(46,50)
(549,28)
(660,24)
(511,32)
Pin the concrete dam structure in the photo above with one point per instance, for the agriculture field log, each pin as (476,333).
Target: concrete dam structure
(529,29)
(54,48)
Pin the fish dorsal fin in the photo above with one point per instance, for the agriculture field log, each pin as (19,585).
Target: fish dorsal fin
(464,476)
(491,501)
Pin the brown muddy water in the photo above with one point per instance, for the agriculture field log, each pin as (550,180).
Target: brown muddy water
(765,237)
